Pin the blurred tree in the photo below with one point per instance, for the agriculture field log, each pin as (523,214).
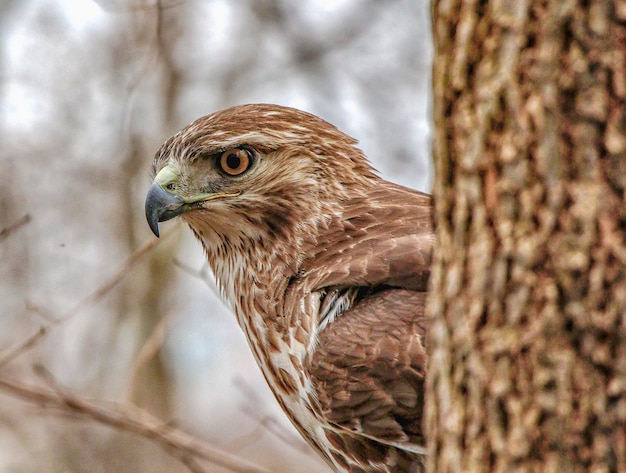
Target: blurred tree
(88,91)
(528,343)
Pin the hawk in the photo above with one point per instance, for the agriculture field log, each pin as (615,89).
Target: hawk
(325,265)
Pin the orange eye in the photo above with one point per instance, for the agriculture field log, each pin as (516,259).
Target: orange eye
(235,161)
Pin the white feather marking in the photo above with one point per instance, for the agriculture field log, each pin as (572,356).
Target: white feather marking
(335,302)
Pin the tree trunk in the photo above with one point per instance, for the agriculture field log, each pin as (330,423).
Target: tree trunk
(528,288)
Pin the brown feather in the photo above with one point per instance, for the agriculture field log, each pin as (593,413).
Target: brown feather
(326,267)
(369,366)
(383,238)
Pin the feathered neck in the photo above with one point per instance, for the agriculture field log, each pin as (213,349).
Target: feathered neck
(254,266)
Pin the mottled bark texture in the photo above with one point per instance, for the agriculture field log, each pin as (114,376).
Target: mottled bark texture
(528,343)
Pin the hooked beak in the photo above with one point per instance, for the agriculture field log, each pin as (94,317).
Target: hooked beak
(161,205)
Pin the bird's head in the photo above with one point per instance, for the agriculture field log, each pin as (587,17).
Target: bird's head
(253,170)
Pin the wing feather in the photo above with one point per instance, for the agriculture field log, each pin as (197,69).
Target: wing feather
(383,238)
(368,366)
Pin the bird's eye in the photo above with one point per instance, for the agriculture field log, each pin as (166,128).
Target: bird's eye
(235,161)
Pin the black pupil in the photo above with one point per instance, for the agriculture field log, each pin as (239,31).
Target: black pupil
(233,161)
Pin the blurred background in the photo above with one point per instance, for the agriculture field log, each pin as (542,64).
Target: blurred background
(88,92)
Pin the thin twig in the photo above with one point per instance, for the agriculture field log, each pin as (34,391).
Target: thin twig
(249,438)
(275,428)
(129,419)
(122,271)
(190,463)
(6,231)
(147,352)
(42,312)
(11,353)
(202,274)
(267,421)
(55,320)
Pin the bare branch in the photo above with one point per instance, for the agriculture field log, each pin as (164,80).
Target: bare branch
(130,419)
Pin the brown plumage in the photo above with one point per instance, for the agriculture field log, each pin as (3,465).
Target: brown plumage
(325,265)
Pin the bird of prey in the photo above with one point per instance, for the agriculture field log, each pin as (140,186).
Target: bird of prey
(325,265)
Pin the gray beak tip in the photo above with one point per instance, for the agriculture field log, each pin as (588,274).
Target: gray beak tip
(161,206)
(154,226)
(152,218)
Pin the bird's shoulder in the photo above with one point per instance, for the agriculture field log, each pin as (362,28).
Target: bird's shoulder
(383,237)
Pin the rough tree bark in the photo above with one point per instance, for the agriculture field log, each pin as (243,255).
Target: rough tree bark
(528,342)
